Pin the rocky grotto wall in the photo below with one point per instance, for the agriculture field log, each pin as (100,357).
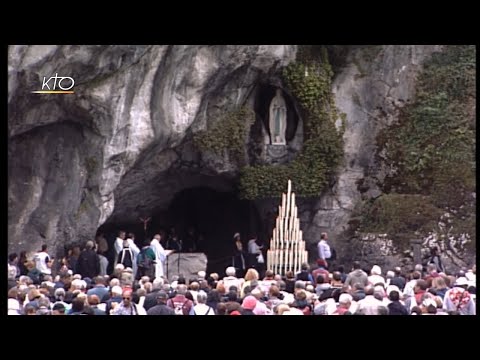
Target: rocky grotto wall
(139,130)
(118,139)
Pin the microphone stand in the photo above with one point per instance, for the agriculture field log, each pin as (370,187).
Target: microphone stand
(167,267)
(178,264)
(179,252)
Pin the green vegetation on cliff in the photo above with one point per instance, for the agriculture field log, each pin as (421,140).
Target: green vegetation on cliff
(309,79)
(432,152)
(228,134)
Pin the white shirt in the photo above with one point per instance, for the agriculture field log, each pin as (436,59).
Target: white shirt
(322,246)
(41,262)
(202,309)
(376,279)
(253,247)
(232,281)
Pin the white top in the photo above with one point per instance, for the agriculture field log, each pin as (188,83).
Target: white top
(41,262)
(202,309)
(323,250)
(253,247)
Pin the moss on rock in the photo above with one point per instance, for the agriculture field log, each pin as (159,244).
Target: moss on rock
(432,152)
(229,133)
(309,79)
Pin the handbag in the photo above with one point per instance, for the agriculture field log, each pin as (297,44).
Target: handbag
(260,259)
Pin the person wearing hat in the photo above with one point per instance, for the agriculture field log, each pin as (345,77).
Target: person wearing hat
(161,308)
(248,304)
(459,299)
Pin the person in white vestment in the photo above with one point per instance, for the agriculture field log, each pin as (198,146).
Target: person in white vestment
(132,245)
(160,255)
(118,246)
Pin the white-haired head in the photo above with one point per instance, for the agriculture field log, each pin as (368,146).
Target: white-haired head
(330,306)
(345,299)
(60,292)
(77,284)
(114,282)
(230,271)
(117,291)
(119,267)
(376,270)
(158,283)
(202,297)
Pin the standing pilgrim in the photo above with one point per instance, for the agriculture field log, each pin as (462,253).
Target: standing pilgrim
(43,262)
(238,259)
(255,254)
(324,251)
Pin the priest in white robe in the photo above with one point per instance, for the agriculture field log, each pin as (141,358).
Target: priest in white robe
(135,251)
(160,255)
(118,246)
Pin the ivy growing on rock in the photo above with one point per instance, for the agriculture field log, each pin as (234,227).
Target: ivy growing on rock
(432,151)
(309,80)
(229,133)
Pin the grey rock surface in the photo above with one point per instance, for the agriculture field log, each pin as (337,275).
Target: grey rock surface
(186,264)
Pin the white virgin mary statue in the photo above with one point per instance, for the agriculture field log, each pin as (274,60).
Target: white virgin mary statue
(278,119)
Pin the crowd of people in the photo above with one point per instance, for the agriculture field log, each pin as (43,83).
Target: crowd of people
(80,288)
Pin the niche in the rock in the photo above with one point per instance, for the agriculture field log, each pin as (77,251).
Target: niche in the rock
(263,107)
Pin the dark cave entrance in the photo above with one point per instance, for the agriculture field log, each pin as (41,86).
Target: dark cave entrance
(213,216)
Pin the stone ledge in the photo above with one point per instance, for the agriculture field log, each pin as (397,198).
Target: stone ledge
(187,264)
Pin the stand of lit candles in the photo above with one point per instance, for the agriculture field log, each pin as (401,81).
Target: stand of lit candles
(287,248)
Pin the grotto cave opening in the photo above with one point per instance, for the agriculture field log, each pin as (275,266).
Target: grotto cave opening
(205,220)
